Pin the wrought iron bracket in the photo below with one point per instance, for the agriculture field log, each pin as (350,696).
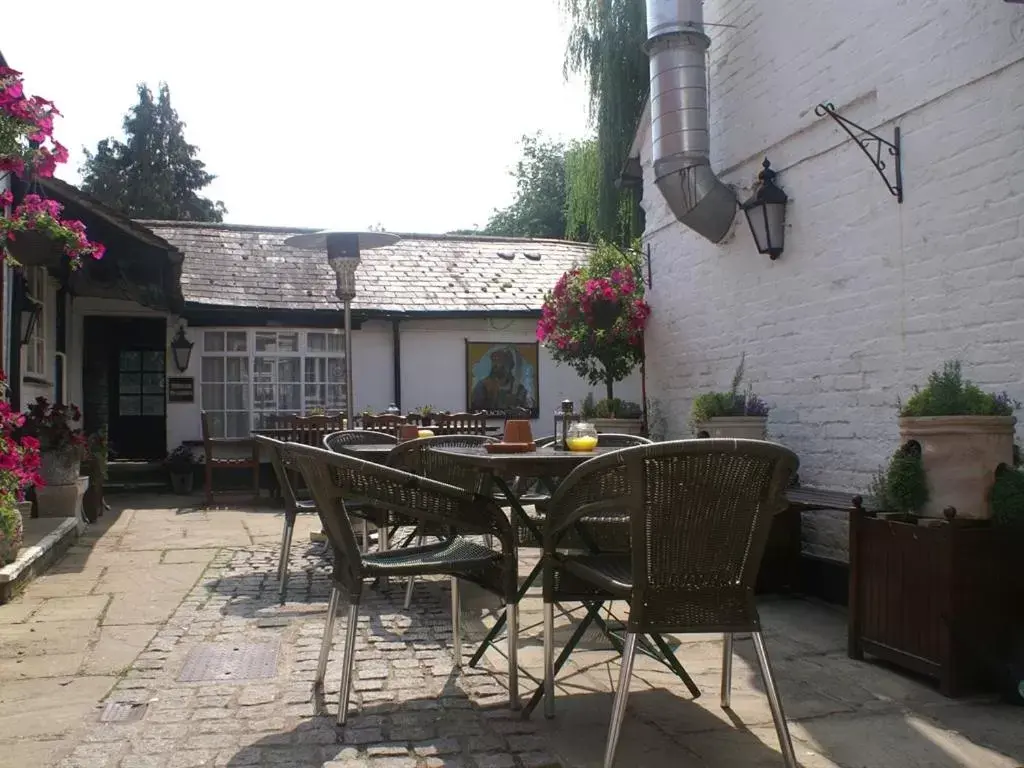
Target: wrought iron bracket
(871,144)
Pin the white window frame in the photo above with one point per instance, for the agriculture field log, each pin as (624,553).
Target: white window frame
(35,361)
(255,410)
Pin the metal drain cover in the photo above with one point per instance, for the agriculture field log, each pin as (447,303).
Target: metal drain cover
(122,712)
(227,662)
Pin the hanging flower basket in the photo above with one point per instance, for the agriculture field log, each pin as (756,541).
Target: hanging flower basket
(35,249)
(605,312)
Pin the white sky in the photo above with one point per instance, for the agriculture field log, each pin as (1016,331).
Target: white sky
(337,113)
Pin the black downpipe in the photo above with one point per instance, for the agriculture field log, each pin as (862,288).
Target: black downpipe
(396,349)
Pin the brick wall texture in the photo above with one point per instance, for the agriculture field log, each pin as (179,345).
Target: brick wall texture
(869,296)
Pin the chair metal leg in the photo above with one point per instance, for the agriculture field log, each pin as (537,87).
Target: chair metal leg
(512,620)
(549,659)
(366,537)
(621,694)
(727,670)
(774,702)
(456,624)
(412,580)
(325,643)
(286,548)
(350,657)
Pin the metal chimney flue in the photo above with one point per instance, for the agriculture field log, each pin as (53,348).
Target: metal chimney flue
(680,136)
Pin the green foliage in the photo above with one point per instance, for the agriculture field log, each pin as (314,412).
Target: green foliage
(614,408)
(949,394)
(154,173)
(605,45)
(582,190)
(588,409)
(901,486)
(539,207)
(1007,497)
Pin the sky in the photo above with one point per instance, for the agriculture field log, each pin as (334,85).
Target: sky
(336,114)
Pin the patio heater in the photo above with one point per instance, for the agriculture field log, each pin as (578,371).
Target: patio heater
(343,249)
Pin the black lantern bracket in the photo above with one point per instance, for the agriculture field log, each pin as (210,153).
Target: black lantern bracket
(872,145)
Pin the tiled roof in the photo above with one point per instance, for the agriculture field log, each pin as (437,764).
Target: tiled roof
(247,266)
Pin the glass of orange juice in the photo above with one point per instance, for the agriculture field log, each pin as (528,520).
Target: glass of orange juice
(581,436)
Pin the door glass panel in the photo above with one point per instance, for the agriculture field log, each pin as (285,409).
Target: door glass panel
(237,424)
(129,406)
(266,342)
(287,342)
(153,383)
(237,397)
(213,397)
(153,360)
(213,341)
(131,361)
(236,341)
(288,369)
(289,397)
(213,369)
(130,383)
(237,370)
(316,342)
(153,406)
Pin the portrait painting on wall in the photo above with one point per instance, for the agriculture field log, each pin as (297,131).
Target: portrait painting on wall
(501,378)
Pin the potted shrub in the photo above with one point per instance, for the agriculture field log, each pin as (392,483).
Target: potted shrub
(426,413)
(62,446)
(730,414)
(19,465)
(613,415)
(181,463)
(964,434)
(594,318)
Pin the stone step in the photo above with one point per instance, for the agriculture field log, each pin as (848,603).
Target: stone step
(46,539)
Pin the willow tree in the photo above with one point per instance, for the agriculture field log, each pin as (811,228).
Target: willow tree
(605,46)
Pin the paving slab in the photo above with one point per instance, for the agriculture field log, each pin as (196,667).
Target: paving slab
(30,639)
(50,706)
(116,648)
(49,665)
(72,608)
(203,556)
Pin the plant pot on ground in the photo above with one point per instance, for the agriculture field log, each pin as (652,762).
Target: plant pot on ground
(613,415)
(181,464)
(62,446)
(733,414)
(964,434)
(93,503)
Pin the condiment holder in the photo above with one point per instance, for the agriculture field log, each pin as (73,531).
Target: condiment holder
(407,432)
(518,438)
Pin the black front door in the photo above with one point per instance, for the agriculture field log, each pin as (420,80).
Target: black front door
(130,355)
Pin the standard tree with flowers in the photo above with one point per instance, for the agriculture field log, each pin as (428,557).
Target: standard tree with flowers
(594,318)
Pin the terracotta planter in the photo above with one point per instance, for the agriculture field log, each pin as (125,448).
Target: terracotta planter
(34,249)
(742,427)
(618,426)
(960,456)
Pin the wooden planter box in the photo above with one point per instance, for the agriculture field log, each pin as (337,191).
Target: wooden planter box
(940,599)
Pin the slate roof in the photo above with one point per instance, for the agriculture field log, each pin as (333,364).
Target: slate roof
(248,266)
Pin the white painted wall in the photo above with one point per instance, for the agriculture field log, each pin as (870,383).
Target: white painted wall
(433,365)
(869,296)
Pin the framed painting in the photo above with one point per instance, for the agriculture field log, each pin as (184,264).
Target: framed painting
(502,378)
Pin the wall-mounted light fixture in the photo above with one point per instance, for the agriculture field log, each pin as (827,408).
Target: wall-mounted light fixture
(31,311)
(181,349)
(766,213)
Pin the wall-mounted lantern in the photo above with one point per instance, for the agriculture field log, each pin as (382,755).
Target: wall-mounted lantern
(181,349)
(766,213)
(31,311)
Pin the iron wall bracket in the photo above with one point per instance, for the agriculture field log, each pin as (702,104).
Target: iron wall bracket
(871,144)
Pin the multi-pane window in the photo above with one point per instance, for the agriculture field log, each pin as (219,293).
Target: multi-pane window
(36,362)
(248,376)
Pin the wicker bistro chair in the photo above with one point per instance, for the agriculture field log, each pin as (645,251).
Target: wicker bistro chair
(415,456)
(292,505)
(459,423)
(336,479)
(384,422)
(699,513)
(338,442)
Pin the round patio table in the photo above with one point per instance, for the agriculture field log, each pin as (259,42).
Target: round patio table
(375,452)
(543,462)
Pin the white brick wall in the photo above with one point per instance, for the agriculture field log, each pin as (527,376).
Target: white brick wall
(869,296)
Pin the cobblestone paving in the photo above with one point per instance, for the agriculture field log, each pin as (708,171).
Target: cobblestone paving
(410,708)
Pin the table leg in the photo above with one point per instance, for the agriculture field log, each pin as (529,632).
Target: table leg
(499,624)
(574,639)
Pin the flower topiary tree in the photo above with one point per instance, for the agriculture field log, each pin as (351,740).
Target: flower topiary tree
(594,318)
